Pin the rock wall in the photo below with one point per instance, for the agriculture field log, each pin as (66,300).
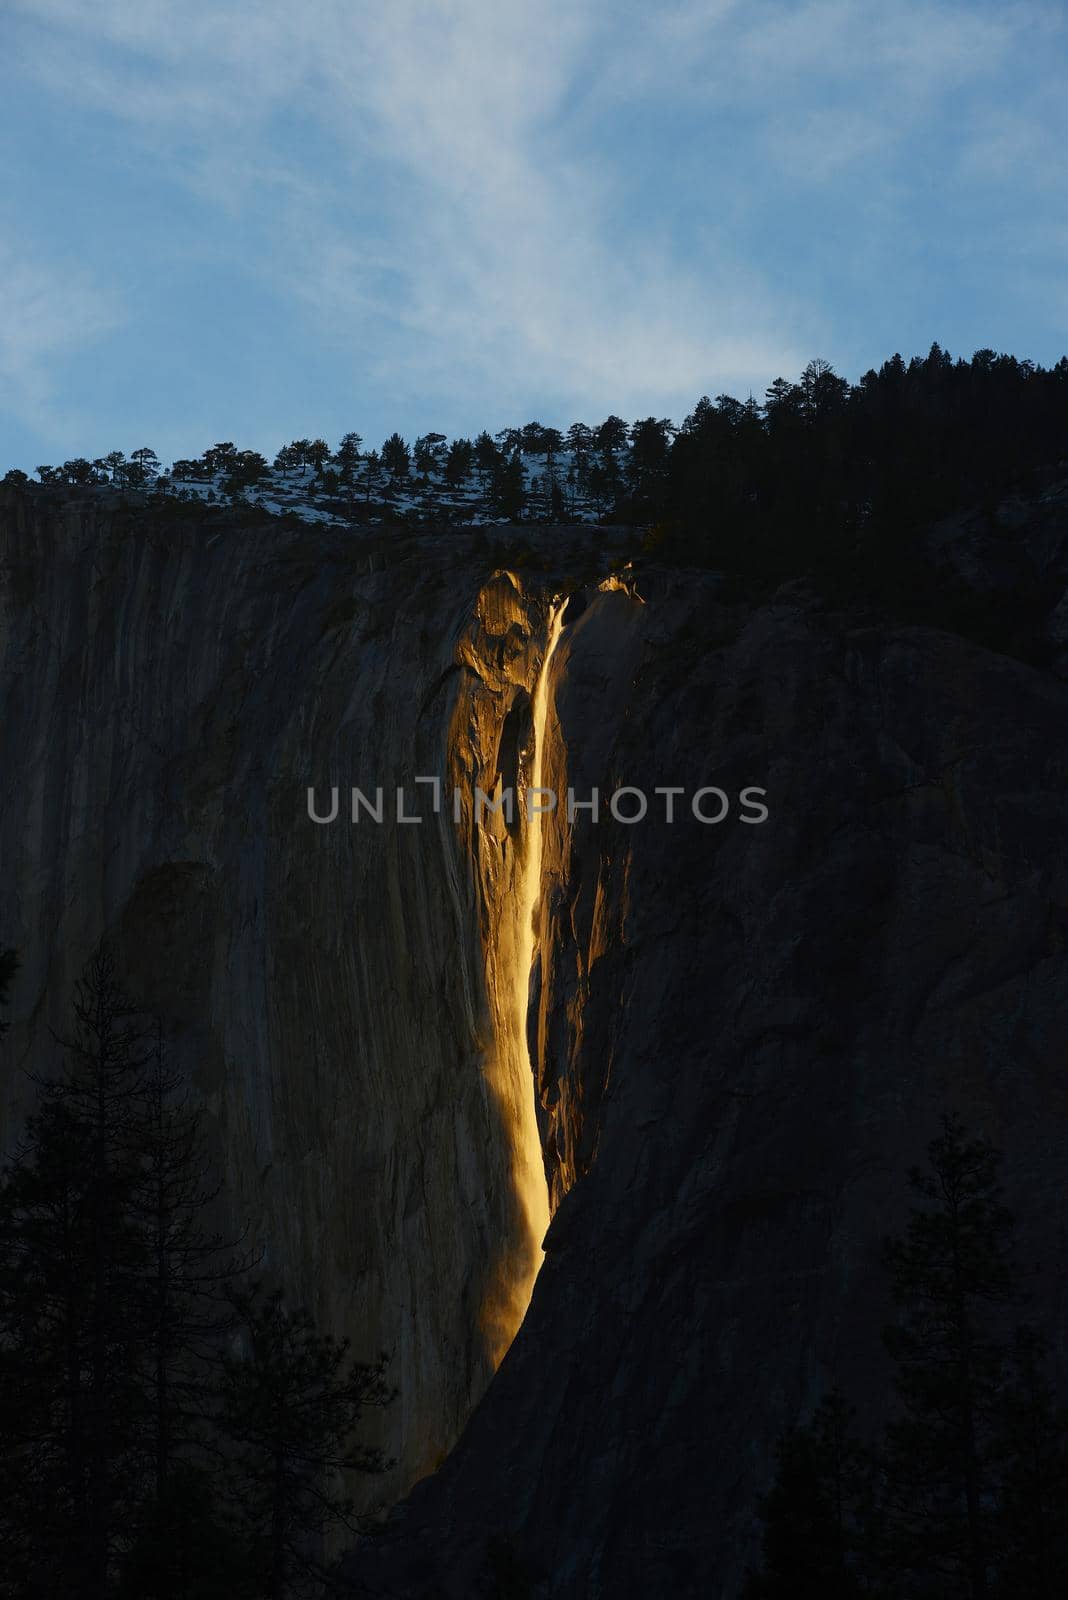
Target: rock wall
(745,1036)
(741,1034)
(169,692)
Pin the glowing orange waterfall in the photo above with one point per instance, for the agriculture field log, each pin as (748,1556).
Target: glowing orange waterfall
(535,1191)
(514,1071)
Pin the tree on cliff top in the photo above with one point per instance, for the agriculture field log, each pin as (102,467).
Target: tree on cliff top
(348,455)
(143,465)
(509,488)
(396,457)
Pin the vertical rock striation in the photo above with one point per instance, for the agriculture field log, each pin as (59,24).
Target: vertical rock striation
(169,692)
(744,1037)
(741,1034)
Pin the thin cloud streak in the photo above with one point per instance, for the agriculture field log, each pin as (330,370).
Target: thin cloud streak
(452,204)
(45,311)
(501,258)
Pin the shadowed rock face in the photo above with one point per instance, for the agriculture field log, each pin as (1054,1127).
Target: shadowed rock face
(741,1035)
(745,1035)
(169,694)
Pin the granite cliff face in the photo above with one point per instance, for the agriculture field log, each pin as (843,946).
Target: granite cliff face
(740,1033)
(169,695)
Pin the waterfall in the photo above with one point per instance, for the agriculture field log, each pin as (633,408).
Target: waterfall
(514,1074)
(534,1191)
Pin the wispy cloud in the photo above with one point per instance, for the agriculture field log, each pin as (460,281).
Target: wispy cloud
(458,201)
(47,310)
(491,246)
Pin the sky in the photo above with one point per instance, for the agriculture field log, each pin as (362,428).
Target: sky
(252,220)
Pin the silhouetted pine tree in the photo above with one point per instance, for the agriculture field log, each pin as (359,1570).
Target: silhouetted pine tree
(71,1328)
(509,487)
(953,1278)
(487,458)
(814,1513)
(185,1313)
(112,1300)
(396,457)
(291,1402)
(372,475)
(186,1546)
(143,466)
(968,1495)
(348,456)
(317,454)
(459,460)
(648,462)
(1031,1450)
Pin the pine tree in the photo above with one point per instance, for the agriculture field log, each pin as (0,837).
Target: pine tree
(487,458)
(187,1547)
(291,1403)
(579,440)
(247,467)
(428,453)
(372,475)
(44,1309)
(1031,1449)
(112,1301)
(143,466)
(317,454)
(116,464)
(189,1270)
(814,1512)
(396,457)
(953,1278)
(458,462)
(611,435)
(552,442)
(70,1329)
(647,467)
(219,458)
(509,440)
(509,488)
(532,439)
(604,482)
(348,456)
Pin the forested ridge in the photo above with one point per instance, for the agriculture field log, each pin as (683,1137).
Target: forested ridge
(817,469)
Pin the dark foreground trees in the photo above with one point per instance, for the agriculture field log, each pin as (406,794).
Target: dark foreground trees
(70,1265)
(966,1495)
(952,1273)
(290,1403)
(137,1372)
(813,1511)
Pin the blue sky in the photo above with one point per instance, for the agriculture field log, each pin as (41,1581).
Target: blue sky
(251,220)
